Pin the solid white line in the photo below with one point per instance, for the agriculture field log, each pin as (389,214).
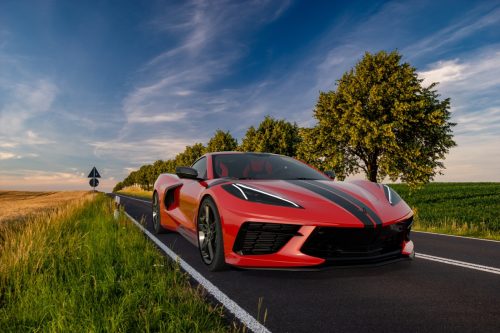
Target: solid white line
(132,198)
(464,264)
(247,319)
(473,238)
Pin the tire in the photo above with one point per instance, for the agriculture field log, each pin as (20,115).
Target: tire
(157,227)
(210,241)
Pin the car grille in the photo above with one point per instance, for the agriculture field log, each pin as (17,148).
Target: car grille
(263,238)
(357,245)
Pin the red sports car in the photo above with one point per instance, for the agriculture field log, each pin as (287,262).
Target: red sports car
(272,211)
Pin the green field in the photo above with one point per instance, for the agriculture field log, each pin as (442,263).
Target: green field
(78,270)
(466,209)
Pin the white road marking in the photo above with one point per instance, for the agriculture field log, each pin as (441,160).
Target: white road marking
(132,198)
(473,238)
(247,319)
(464,264)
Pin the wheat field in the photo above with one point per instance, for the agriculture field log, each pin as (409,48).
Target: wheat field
(17,205)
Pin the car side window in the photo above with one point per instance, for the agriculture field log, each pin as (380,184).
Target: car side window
(201,167)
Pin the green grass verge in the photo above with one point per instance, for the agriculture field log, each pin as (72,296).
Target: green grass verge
(464,209)
(79,270)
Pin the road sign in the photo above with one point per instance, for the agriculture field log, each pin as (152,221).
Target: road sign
(94,182)
(94,174)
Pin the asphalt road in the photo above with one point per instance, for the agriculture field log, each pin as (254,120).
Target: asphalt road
(419,296)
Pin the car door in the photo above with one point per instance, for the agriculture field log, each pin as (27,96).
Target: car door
(190,193)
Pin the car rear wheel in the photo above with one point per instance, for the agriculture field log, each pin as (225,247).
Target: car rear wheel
(210,242)
(157,227)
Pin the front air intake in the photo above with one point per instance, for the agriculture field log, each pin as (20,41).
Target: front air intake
(263,238)
(357,245)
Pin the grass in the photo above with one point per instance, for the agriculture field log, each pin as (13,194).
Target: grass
(464,209)
(77,269)
(137,192)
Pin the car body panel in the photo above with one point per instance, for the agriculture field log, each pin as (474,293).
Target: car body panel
(320,204)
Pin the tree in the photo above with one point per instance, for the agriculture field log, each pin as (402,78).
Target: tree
(222,141)
(189,155)
(272,136)
(119,186)
(381,120)
(248,142)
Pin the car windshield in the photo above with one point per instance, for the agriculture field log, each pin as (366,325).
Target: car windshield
(262,166)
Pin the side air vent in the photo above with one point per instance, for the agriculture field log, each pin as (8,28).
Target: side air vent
(170,198)
(263,238)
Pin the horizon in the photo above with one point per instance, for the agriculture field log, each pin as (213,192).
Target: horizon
(92,84)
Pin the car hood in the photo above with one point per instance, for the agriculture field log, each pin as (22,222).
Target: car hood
(342,202)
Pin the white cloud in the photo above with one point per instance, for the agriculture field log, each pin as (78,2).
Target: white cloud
(175,96)
(6,155)
(140,151)
(27,101)
(444,71)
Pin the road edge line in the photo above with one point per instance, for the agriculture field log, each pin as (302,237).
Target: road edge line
(243,316)
(464,264)
(132,198)
(457,236)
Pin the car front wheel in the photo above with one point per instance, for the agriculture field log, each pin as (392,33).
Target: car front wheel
(210,242)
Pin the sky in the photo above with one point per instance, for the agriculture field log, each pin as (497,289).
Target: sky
(118,84)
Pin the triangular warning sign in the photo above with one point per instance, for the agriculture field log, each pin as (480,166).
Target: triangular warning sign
(94,173)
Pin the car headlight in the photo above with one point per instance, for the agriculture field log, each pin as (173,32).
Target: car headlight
(391,195)
(248,193)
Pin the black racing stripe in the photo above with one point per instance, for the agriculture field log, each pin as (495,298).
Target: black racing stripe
(337,199)
(352,199)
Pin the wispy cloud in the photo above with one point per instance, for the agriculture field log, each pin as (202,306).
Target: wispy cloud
(7,155)
(472,82)
(27,100)
(473,22)
(176,92)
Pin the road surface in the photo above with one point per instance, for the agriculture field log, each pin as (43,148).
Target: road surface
(419,296)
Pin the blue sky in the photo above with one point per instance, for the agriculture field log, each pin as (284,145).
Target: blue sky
(118,84)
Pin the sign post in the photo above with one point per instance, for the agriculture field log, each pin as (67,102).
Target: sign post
(93,175)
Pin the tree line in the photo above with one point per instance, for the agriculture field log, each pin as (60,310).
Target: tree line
(379,120)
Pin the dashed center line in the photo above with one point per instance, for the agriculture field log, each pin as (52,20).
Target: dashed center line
(464,264)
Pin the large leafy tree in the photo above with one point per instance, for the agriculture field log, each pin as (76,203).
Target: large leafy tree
(222,141)
(273,136)
(189,155)
(383,121)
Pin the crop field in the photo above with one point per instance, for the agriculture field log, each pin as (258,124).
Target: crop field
(75,268)
(16,205)
(466,209)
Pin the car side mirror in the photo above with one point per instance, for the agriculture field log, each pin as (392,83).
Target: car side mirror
(186,172)
(330,174)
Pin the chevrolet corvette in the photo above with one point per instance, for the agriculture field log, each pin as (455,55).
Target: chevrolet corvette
(260,210)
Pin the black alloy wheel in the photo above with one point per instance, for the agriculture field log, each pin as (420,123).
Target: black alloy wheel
(210,242)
